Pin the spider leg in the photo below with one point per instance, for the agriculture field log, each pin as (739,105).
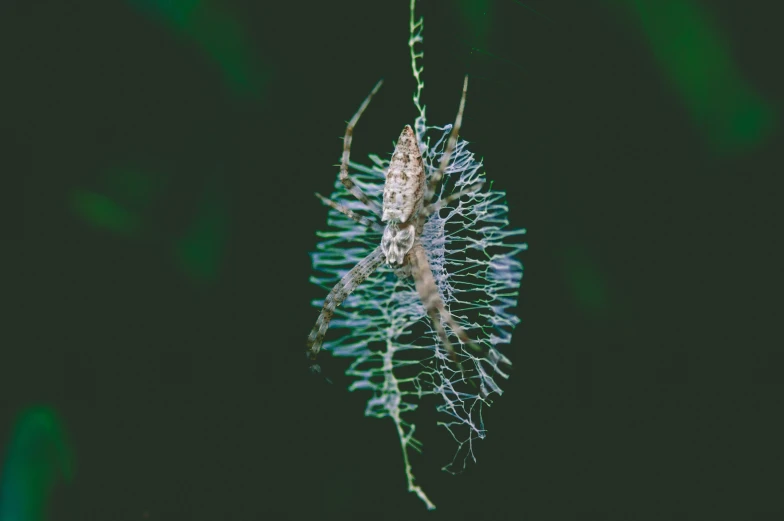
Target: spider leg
(434,207)
(350,214)
(344,177)
(450,146)
(342,289)
(436,309)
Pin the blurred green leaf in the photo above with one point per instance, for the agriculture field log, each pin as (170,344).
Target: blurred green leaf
(219,33)
(697,59)
(37,456)
(103,212)
(477,17)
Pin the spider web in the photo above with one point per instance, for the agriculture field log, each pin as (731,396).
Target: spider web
(384,327)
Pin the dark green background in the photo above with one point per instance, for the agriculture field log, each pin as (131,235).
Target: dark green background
(158,192)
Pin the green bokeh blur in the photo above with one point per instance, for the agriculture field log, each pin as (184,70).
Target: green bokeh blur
(38,457)
(697,58)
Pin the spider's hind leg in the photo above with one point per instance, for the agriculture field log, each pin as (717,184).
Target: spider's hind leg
(339,293)
(436,309)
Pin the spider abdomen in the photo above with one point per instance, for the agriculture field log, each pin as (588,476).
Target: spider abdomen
(405,180)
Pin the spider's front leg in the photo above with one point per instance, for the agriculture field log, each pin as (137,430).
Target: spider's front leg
(432,208)
(432,183)
(339,293)
(364,221)
(344,177)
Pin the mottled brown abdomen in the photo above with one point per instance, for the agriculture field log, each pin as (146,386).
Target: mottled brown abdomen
(405,184)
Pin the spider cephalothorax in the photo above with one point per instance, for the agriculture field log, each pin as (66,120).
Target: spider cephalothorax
(396,242)
(407,203)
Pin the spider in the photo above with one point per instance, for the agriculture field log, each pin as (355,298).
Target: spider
(407,204)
